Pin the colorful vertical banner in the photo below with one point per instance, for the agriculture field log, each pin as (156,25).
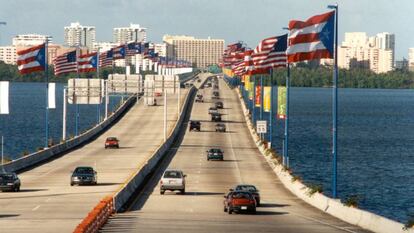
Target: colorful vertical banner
(281,102)
(267,98)
(246,82)
(257,98)
(251,85)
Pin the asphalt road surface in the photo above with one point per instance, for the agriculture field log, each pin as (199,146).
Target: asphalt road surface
(47,202)
(201,208)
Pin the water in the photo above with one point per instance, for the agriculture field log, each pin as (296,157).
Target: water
(375,145)
(24,128)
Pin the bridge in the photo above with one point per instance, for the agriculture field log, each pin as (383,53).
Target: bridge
(47,203)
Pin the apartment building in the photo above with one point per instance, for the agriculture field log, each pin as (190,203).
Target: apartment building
(132,33)
(78,35)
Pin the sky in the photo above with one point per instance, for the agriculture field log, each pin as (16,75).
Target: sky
(231,20)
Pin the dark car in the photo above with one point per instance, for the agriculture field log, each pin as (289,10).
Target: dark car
(199,98)
(215,117)
(83,175)
(238,201)
(9,182)
(215,154)
(215,95)
(249,188)
(195,125)
(220,127)
(219,104)
(112,142)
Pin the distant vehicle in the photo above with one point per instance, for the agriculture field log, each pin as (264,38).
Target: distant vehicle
(238,201)
(215,117)
(212,110)
(157,94)
(249,188)
(199,98)
(111,142)
(219,104)
(187,84)
(215,154)
(215,95)
(220,127)
(195,125)
(84,175)
(198,80)
(172,180)
(9,182)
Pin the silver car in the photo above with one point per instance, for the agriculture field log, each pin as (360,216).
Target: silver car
(172,180)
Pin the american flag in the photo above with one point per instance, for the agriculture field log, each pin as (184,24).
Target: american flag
(234,53)
(270,53)
(133,48)
(239,68)
(66,63)
(105,58)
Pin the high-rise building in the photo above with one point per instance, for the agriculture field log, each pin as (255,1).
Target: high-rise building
(201,52)
(78,35)
(132,33)
(8,54)
(360,51)
(30,39)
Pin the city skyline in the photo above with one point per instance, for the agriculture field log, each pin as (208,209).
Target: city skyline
(232,20)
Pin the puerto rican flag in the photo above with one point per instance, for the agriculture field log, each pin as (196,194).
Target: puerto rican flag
(118,52)
(32,59)
(312,39)
(88,62)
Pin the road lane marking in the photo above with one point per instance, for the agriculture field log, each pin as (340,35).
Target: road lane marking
(37,207)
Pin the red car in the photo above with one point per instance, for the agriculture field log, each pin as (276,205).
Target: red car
(238,201)
(112,142)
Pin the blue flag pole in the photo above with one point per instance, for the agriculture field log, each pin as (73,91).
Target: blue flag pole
(76,103)
(253,102)
(271,107)
(261,100)
(286,142)
(335,108)
(47,96)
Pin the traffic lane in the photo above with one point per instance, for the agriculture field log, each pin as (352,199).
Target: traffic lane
(48,199)
(201,209)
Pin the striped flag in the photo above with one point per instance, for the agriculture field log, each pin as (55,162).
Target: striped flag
(66,63)
(88,62)
(105,58)
(270,53)
(32,59)
(238,68)
(312,39)
(118,52)
(133,48)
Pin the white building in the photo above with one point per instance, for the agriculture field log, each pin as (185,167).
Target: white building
(411,59)
(8,54)
(360,51)
(30,39)
(132,33)
(161,49)
(78,35)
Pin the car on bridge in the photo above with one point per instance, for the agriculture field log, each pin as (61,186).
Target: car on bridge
(239,201)
(111,142)
(212,110)
(215,154)
(9,181)
(84,175)
(215,117)
(172,180)
(249,188)
(215,95)
(199,98)
(219,104)
(220,127)
(195,125)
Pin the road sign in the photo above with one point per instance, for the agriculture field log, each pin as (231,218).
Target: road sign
(85,91)
(261,126)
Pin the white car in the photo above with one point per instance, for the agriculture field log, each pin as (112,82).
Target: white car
(172,180)
(213,110)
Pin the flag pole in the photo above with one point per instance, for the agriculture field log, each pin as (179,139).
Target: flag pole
(271,107)
(47,95)
(253,102)
(335,108)
(76,103)
(286,142)
(261,100)
(98,106)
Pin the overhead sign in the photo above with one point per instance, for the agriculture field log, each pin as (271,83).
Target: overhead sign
(4,97)
(124,84)
(261,126)
(85,91)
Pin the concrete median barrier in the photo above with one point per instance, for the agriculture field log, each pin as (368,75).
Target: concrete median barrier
(334,207)
(59,149)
